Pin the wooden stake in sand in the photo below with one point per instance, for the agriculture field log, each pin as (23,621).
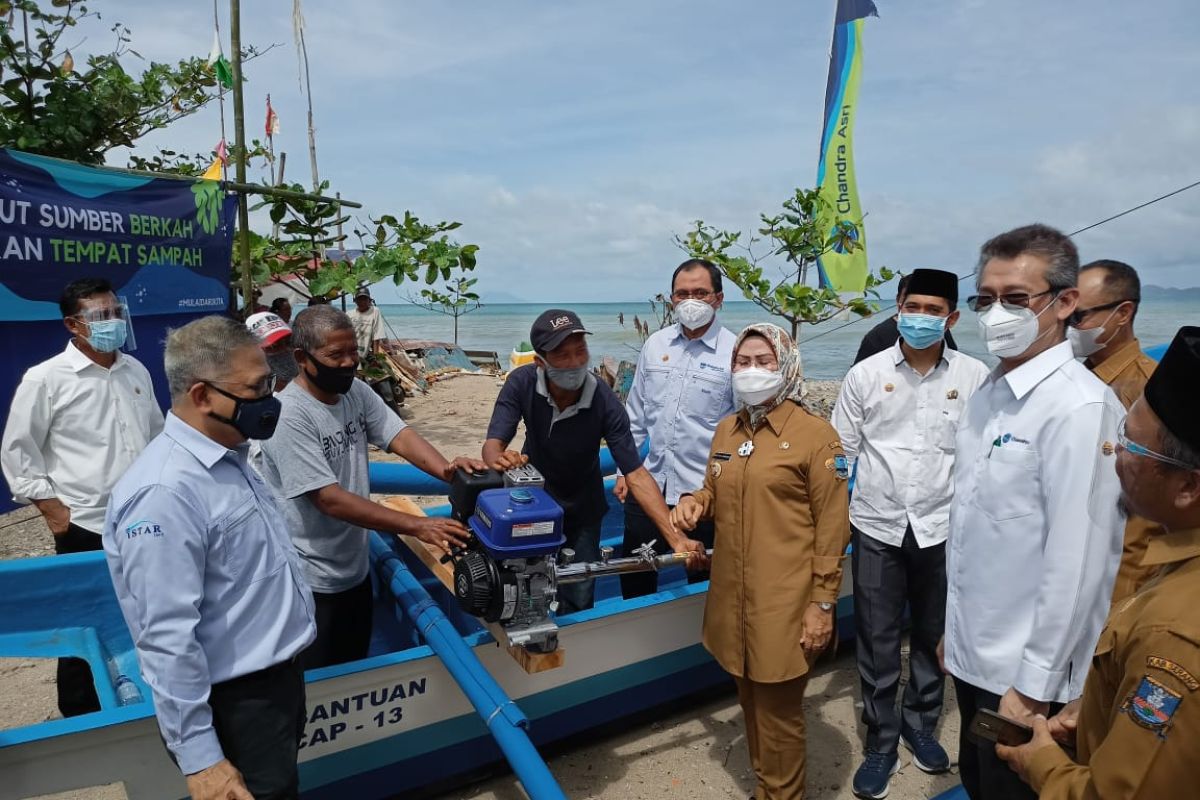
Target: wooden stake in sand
(532,663)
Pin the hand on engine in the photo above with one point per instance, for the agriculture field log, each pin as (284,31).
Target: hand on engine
(696,552)
(509,459)
(471,465)
(441,532)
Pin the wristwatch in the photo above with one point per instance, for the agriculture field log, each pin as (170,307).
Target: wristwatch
(825,606)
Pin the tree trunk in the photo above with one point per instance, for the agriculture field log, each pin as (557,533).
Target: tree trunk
(456,328)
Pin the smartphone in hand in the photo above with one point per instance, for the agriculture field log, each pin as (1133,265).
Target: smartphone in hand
(990,726)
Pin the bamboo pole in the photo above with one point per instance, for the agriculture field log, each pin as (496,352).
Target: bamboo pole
(239,149)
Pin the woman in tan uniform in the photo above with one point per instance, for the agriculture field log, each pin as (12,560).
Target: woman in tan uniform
(776,486)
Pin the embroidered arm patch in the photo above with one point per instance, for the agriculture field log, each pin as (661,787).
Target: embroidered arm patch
(1152,705)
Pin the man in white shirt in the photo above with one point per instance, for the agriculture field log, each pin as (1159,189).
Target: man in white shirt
(897,415)
(681,390)
(367,322)
(78,420)
(1035,531)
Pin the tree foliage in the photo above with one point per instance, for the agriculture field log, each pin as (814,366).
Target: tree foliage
(794,240)
(456,298)
(55,105)
(309,249)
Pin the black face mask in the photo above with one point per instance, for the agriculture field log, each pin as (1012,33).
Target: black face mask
(254,419)
(335,380)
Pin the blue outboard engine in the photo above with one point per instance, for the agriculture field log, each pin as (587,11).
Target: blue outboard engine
(516,561)
(507,575)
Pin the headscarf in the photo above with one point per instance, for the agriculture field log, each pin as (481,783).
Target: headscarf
(788,356)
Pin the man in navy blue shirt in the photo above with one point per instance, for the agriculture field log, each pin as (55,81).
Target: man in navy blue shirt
(567,413)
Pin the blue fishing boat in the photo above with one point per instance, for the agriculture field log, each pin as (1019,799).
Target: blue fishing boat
(402,720)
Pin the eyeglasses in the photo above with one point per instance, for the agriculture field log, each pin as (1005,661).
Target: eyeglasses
(1011,301)
(696,294)
(1138,450)
(263,388)
(1080,313)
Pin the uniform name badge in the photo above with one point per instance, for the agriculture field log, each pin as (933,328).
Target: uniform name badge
(746,448)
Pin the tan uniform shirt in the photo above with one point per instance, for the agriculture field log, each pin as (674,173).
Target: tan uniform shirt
(1139,720)
(779,498)
(1126,372)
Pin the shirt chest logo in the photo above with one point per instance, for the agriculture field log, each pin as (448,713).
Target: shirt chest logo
(746,448)
(142,529)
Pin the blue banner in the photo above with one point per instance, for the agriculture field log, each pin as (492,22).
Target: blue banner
(164,243)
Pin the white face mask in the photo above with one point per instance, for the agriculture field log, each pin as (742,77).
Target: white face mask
(755,386)
(1009,333)
(694,314)
(1087,342)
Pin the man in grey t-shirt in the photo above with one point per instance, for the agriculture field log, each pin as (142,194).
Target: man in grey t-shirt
(317,465)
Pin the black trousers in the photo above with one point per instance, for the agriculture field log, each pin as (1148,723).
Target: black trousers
(343,627)
(984,775)
(76,691)
(639,529)
(886,580)
(259,719)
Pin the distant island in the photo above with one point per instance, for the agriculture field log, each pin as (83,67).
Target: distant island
(1152,292)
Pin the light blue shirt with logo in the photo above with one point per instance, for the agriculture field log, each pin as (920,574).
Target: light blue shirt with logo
(682,389)
(207,579)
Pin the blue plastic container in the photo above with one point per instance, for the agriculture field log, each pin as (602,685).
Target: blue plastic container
(517,523)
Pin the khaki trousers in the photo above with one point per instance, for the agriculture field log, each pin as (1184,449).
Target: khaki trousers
(774,714)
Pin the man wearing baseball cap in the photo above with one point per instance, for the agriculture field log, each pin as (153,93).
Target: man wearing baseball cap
(567,413)
(368,323)
(275,338)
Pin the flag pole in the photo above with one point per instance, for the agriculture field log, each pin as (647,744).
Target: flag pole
(270,140)
(298,28)
(220,88)
(239,149)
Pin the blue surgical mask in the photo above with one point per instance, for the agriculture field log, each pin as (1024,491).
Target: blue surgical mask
(920,331)
(569,378)
(108,335)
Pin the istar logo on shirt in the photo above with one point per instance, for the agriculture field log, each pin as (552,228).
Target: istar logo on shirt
(143,528)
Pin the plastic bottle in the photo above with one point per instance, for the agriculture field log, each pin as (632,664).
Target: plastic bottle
(127,691)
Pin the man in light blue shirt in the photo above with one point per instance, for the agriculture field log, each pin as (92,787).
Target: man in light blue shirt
(207,577)
(682,389)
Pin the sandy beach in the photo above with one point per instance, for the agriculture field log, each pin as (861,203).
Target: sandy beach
(697,750)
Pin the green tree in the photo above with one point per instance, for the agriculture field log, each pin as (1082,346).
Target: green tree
(456,298)
(797,238)
(397,249)
(52,105)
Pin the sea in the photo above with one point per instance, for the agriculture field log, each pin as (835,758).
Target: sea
(827,349)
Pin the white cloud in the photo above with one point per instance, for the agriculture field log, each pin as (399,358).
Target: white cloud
(574,140)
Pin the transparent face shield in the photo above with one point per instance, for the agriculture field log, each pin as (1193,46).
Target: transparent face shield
(102,318)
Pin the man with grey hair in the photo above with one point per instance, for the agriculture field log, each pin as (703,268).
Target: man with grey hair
(317,465)
(1035,532)
(207,577)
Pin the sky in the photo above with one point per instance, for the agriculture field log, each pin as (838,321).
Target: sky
(575,140)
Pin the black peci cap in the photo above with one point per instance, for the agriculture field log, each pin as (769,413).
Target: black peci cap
(1172,389)
(552,326)
(934,282)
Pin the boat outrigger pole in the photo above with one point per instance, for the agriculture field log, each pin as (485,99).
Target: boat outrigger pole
(503,718)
